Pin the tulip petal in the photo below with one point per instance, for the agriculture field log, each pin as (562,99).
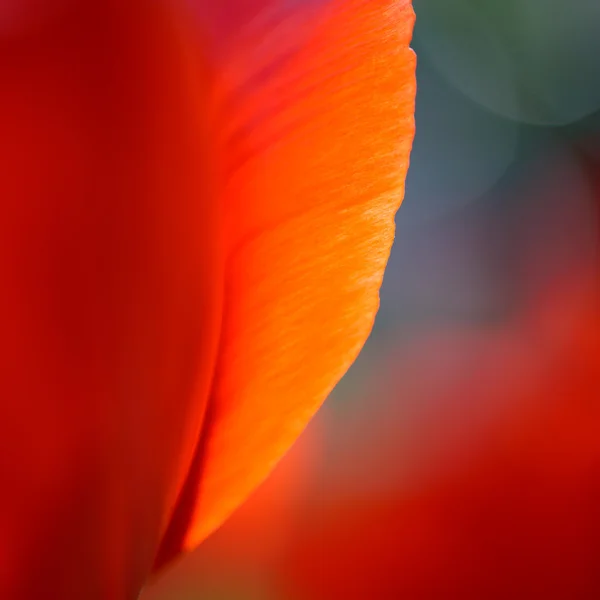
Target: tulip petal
(316,151)
(111,278)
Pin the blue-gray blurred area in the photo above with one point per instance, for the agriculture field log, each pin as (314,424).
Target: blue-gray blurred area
(508,102)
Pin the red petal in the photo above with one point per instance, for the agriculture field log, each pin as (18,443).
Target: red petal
(111,293)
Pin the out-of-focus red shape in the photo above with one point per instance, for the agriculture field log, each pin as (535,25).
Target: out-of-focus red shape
(191,251)
(493,492)
(110,304)
(513,514)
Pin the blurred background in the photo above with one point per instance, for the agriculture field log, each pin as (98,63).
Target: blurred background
(460,456)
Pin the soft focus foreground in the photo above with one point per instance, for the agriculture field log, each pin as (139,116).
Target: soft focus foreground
(460,457)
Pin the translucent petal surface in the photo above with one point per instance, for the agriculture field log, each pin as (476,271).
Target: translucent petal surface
(317,153)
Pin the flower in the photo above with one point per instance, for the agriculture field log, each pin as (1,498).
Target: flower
(195,218)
